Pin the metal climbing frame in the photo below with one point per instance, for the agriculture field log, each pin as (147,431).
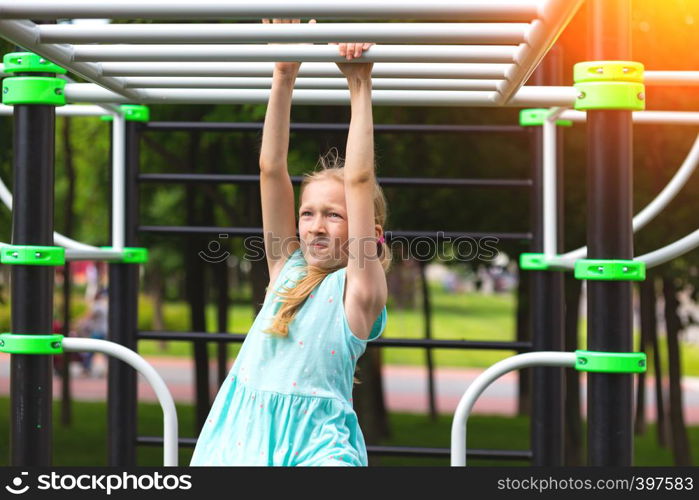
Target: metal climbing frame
(487,58)
(499,41)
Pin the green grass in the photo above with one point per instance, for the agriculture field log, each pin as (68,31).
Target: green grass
(84,442)
(466,316)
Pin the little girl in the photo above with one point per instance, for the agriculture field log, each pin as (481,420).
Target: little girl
(288,398)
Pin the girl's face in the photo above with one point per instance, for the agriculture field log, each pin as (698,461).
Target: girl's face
(323,228)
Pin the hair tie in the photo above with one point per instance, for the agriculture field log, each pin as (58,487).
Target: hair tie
(381,240)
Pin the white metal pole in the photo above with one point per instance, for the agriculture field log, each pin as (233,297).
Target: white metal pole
(306,83)
(666,254)
(642,117)
(385,33)
(64,110)
(481,383)
(308,69)
(652,209)
(25,33)
(58,238)
(437,10)
(98,254)
(554,16)
(292,52)
(170,439)
(550,182)
(673,78)
(526,97)
(118,181)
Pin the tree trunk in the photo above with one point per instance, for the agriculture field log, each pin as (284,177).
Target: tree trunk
(524,404)
(649,321)
(66,406)
(680,441)
(573,419)
(221,279)
(195,294)
(661,413)
(368,399)
(427,315)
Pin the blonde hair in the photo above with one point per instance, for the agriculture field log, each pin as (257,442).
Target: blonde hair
(331,167)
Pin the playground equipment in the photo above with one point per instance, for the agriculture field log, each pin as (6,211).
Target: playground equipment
(491,58)
(600,362)
(57,344)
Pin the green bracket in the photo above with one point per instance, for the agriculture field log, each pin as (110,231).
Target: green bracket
(130,255)
(609,85)
(610,362)
(25,255)
(33,90)
(533,262)
(132,113)
(14,343)
(536,117)
(28,62)
(610,270)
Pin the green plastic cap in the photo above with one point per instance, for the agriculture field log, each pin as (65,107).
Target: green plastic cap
(610,95)
(33,90)
(131,255)
(13,343)
(609,85)
(610,270)
(533,262)
(28,62)
(536,116)
(610,362)
(132,113)
(608,71)
(25,255)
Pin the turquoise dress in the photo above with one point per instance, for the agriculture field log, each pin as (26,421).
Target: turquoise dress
(288,400)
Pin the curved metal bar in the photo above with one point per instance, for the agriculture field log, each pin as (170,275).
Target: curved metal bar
(71,344)
(673,187)
(463,410)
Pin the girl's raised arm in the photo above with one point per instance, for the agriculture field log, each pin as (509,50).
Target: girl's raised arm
(277,193)
(366,289)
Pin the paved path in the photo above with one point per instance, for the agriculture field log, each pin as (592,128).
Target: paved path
(405,387)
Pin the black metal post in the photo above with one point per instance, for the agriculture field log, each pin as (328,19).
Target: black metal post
(123,323)
(32,286)
(547,304)
(609,236)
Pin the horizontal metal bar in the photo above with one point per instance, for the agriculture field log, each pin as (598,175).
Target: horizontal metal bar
(103,255)
(643,117)
(293,52)
(526,97)
(385,342)
(308,69)
(25,33)
(409,451)
(555,15)
(252,231)
(461,33)
(395,451)
(674,78)
(447,10)
(307,83)
(340,127)
(64,110)
(383,181)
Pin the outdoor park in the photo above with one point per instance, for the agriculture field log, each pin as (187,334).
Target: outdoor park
(134,259)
